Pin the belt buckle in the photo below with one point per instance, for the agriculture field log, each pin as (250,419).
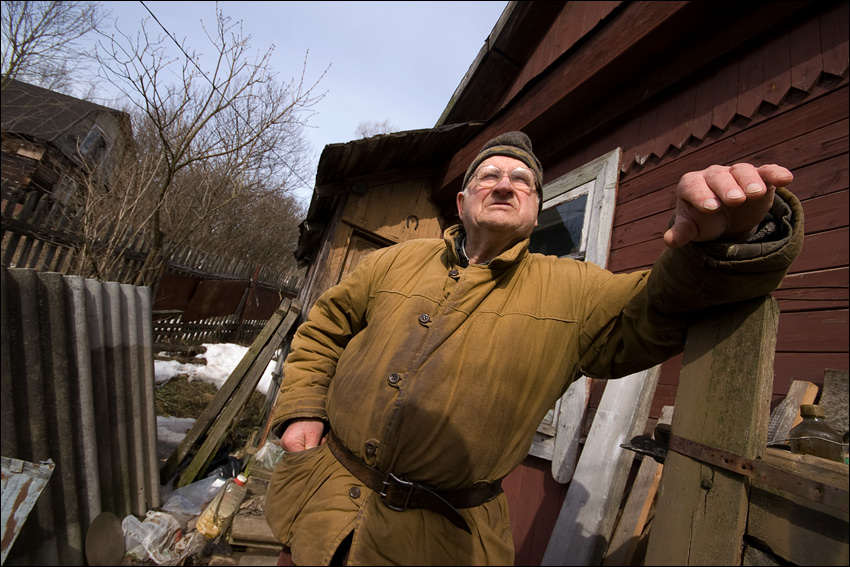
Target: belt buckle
(391,480)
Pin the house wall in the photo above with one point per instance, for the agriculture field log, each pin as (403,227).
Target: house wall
(780,102)
(41,164)
(384,212)
(31,165)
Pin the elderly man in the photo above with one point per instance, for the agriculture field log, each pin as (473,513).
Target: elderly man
(417,383)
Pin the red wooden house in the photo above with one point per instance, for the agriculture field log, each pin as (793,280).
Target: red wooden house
(620,99)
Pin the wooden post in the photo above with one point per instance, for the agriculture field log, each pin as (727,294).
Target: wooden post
(240,310)
(723,401)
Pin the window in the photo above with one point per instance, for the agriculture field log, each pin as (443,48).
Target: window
(576,222)
(94,145)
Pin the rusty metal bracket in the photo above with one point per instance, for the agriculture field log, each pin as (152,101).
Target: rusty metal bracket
(831,496)
(655,448)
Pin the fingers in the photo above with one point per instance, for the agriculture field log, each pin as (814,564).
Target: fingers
(723,201)
(682,232)
(775,175)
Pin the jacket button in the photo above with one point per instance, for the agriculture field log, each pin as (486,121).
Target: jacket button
(424,318)
(394,379)
(371,448)
(453,273)
(354,492)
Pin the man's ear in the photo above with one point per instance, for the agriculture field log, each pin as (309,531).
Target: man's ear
(459,199)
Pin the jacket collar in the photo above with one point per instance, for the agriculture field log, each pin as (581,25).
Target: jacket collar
(454,236)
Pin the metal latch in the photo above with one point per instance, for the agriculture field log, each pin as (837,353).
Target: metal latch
(656,448)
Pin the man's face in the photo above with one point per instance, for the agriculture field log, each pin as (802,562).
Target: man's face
(502,208)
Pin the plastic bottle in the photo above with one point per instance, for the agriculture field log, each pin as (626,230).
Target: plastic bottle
(224,505)
(813,436)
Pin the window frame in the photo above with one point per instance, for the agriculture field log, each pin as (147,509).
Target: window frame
(88,148)
(557,440)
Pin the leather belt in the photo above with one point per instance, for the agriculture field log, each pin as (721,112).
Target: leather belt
(397,493)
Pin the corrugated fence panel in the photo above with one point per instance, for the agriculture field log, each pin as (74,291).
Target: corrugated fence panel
(78,388)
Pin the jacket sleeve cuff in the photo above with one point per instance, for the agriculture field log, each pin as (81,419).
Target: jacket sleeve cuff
(774,233)
(698,275)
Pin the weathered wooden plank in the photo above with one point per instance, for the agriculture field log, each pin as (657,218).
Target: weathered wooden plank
(204,421)
(833,399)
(624,541)
(831,473)
(252,531)
(593,499)
(22,217)
(799,530)
(796,529)
(235,403)
(723,402)
(814,331)
(570,419)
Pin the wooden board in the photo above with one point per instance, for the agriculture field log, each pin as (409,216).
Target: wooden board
(593,499)
(252,531)
(796,529)
(630,526)
(723,402)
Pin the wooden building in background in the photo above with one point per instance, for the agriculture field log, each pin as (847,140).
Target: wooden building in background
(620,99)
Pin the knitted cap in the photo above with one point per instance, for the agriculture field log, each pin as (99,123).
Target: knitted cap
(515,145)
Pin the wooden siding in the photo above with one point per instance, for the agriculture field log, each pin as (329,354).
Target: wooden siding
(384,213)
(395,211)
(811,138)
(575,20)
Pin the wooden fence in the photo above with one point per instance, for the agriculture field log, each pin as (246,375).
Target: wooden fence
(198,297)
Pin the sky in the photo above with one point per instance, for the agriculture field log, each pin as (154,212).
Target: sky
(398,62)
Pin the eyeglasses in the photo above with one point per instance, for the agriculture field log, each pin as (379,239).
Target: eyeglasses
(521,178)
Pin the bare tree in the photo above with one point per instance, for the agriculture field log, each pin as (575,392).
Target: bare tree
(205,146)
(369,128)
(41,43)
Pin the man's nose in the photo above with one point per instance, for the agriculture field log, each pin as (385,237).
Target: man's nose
(504,185)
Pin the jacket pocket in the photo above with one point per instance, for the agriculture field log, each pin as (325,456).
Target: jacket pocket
(297,476)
